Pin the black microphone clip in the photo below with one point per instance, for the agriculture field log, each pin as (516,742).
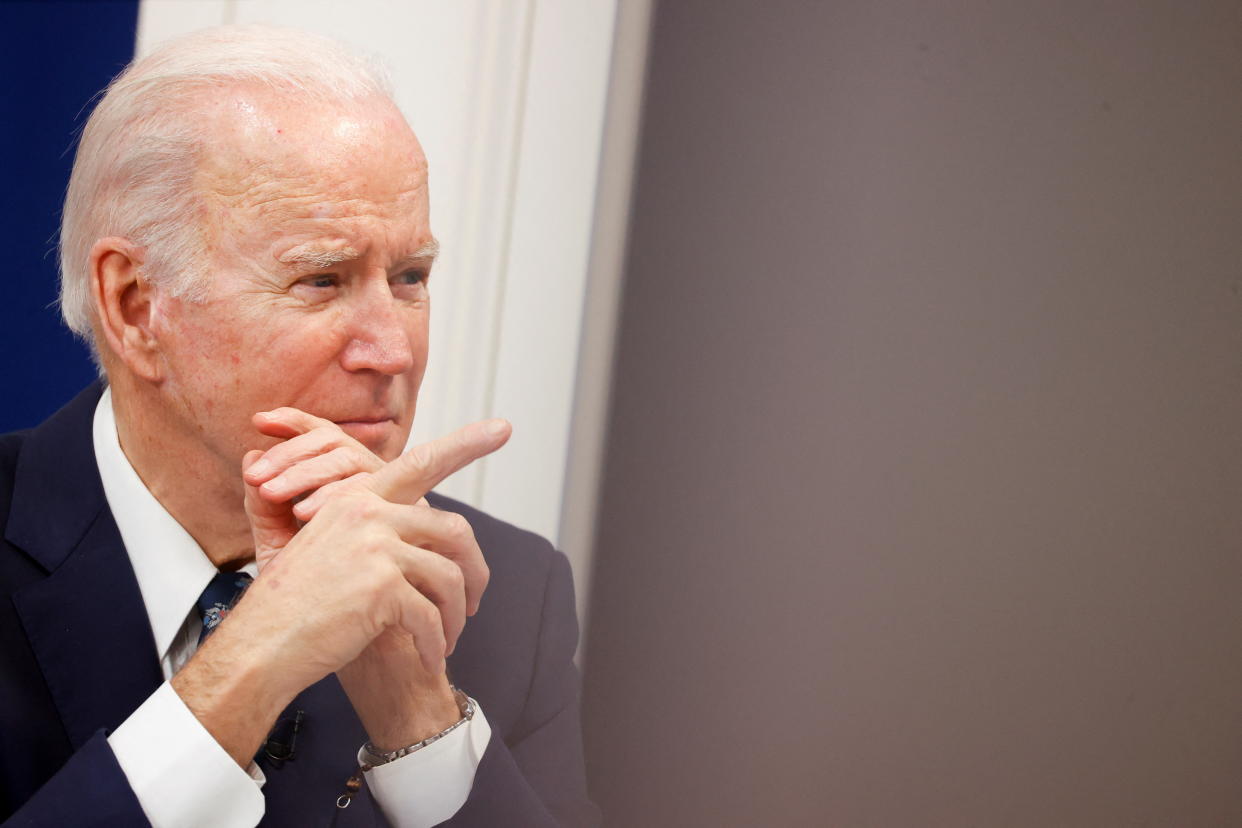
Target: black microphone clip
(282,742)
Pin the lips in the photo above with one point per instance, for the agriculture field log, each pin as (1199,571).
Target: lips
(373,432)
(365,420)
(362,416)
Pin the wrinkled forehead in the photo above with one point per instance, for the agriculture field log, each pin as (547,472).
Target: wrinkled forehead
(267,146)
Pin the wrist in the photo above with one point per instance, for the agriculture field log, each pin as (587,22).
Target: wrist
(233,697)
(374,755)
(396,714)
(397,701)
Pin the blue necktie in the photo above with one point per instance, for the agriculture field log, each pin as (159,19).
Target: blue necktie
(218,598)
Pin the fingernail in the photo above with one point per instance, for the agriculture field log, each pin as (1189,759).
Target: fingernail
(259,467)
(496,427)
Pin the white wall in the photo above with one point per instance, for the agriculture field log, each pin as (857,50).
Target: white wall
(508,100)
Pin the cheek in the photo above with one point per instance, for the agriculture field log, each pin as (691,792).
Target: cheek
(283,357)
(198,343)
(287,350)
(221,352)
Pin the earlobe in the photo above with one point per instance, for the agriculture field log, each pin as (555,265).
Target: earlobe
(124,301)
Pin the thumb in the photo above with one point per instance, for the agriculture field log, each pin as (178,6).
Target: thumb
(272,524)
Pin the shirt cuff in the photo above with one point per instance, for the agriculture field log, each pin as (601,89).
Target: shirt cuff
(179,773)
(430,785)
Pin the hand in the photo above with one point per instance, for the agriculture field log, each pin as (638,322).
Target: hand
(328,590)
(314,452)
(319,461)
(398,700)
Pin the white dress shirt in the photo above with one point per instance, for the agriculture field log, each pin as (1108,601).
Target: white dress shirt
(179,773)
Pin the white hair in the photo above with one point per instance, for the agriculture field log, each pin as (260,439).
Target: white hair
(133,175)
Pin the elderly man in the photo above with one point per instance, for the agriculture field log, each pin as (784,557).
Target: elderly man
(246,247)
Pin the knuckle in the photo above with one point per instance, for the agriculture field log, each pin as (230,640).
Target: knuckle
(387,582)
(458,527)
(373,592)
(372,545)
(428,615)
(356,483)
(329,433)
(320,499)
(274,458)
(424,456)
(334,507)
(454,576)
(359,507)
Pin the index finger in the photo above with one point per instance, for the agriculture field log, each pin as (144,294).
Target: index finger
(420,469)
(287,421)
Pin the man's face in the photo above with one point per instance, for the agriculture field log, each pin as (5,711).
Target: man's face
(319,249)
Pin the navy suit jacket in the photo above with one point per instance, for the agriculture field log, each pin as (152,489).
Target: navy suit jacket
(77,656)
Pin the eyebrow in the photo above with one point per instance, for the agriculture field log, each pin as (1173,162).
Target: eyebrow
(313,254)
(424,255)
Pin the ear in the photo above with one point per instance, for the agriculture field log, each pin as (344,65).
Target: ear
(124,302)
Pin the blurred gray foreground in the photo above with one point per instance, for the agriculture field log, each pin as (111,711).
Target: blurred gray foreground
(923,496)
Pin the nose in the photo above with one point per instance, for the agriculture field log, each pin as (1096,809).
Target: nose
(380,335)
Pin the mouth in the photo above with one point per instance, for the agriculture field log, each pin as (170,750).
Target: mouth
(365,421)
(372,432)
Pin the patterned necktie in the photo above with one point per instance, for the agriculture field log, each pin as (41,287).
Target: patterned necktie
(218,598)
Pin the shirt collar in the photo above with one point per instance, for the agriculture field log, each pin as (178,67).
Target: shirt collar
(171,568)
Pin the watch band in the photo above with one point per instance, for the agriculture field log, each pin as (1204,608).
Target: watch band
(369,755)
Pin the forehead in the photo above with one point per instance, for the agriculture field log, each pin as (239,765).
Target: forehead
(275,160)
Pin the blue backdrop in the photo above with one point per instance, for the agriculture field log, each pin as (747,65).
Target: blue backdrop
(56,56)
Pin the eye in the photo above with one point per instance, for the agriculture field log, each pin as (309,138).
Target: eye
(321,281)
(410,284)
(412,277)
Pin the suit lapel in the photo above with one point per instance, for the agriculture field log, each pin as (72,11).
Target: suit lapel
(85,621)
